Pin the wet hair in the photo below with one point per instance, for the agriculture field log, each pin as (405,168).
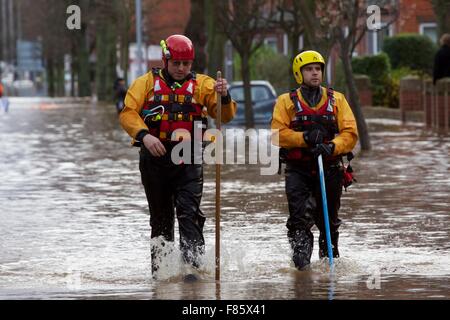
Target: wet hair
(445,39)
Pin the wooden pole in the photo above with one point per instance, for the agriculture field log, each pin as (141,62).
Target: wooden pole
(218,153)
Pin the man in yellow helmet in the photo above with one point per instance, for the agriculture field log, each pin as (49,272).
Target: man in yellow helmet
(312,120)
(157,105)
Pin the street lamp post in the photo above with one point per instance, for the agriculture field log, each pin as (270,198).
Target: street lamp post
(139,35)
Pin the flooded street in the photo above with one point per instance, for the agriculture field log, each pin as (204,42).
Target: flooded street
(74,218)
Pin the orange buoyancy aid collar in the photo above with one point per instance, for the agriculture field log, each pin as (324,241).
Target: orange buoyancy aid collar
(307,118)
(172,108)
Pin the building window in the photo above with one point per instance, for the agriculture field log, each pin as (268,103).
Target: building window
(300,43)
(429,29)
(271,42)
(376,38)
(285,44)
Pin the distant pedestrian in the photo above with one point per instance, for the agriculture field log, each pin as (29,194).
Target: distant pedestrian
(441,68)
(4,102)
(120,91)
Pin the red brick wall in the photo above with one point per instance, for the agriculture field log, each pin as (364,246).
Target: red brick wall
(364,90)
(163,18)
(427,109)
(365,97)
(412,13)
(440,112)
(411,100)
(435,111)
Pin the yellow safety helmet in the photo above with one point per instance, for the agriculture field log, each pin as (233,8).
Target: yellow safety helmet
(304,58)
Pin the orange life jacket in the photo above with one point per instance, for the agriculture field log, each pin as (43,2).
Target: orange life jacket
(307,119)
(171,108)
(1,90)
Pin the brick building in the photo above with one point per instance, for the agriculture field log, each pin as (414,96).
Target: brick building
(415,16)
(161,19)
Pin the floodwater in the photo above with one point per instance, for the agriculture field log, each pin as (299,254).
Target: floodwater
(74,219)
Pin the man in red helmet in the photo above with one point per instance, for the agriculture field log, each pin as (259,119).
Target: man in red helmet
(157,104)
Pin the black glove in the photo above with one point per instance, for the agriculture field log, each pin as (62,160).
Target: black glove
(324,149)
(313,137)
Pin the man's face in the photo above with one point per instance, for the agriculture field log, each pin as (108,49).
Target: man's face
(312,74)
(179,69)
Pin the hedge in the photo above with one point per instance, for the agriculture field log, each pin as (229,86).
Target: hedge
(410,50)
(378,69)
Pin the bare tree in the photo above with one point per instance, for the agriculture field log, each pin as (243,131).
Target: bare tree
(344,22)
(46,15)
(125,12)
(442,11)
(105,47)
(196,31)
(216,39)
(288,19)
(244,22)
(318,35)
(349,27)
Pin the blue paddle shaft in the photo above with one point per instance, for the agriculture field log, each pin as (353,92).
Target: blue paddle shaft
(325,209)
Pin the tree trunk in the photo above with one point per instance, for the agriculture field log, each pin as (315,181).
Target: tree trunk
(125,26)
(124,55)
(60,78)
(50,77)
(106,62)
(442,10)
(83,66)
(216,39)
(195,30)
(307,11)
(245,71)
(72,80)
(4,30)
(364,138)
(106,48)
(293,51)
(73,71)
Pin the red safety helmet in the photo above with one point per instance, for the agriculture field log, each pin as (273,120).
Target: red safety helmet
(177,47)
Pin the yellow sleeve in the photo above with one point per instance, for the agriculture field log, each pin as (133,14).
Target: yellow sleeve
(207,96)
(283,113)
(130,118)
(346,140)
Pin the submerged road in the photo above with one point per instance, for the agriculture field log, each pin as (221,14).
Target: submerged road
(74,219)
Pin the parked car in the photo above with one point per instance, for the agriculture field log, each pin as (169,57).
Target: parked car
(263,99)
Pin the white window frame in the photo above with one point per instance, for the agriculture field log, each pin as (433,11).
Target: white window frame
(300,43)
(424,25)
(328,69)
(374,35)
(346,31)
(285,44)
(267,40)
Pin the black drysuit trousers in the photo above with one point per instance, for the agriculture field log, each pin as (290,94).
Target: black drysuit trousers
(171,187)
(305,206)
